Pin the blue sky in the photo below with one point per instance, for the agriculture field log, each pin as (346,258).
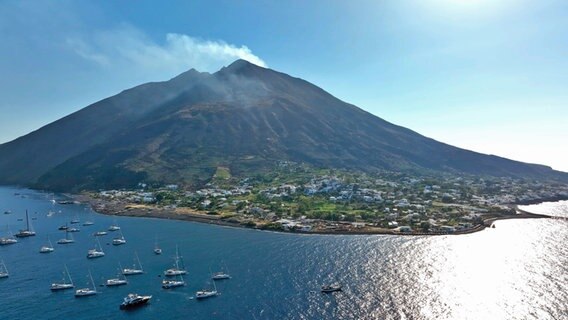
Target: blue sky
(486,75)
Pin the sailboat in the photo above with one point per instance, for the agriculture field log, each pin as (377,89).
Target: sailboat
(47,248)
(8,240)
(221,275)
(118,281)
(113,227)
(205,293)
(88,223)
(176,270)
(64,284)
(157,249)
(68,238)
(119,240)
(135,269)
(97,252)
(3,270)
(173,283)
(87,291)
(75,220)
(28,231)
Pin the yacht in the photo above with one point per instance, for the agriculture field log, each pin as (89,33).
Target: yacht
(64,284)
(136,269)
(87,291)
(331,288)
(3,270)
(203,294)
(97,252)
(48,248)
(28,231)
(119,240)
(134,300)
(177,269)
(68,239)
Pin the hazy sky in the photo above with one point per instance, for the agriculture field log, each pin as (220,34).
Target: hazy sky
(486,75)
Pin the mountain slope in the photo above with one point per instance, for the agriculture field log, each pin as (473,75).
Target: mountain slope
(243,117)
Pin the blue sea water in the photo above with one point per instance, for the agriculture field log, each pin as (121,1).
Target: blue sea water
(519,270)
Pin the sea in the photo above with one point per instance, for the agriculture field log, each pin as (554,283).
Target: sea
(517,270)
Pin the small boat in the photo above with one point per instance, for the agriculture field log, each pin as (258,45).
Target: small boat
(97,252)
(68,239)
(135,269)
(157,249)
(50,213)
(3,270)
(134,300)
(177,269)
(28,231)
(100,233)
(73,230)
(119,240)
(48,248)
(331,288)
(56,286)
(118,281)
(7,212)
(63,227)
(203,294)
(87,291)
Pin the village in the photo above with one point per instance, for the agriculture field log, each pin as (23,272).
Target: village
(298,198)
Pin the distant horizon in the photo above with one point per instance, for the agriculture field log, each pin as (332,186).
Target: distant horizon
(477,75)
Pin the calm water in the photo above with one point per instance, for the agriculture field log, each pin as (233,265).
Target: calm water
(519,270)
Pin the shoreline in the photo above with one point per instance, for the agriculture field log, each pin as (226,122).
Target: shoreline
(119,208)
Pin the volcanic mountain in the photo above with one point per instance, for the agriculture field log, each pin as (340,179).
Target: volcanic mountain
(243,117)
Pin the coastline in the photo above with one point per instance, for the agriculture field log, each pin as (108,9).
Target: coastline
(119,208)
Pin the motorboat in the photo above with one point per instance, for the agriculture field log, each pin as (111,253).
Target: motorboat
(331,288)
(134,300)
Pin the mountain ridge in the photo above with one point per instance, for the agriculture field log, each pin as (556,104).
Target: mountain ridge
(244,117)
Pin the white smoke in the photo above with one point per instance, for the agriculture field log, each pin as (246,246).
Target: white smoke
(128,47)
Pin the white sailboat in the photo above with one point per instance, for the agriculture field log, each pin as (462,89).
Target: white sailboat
(47,248)
(207,293)
(64,284)
(119,240)
(221,275)
(97,252)
(3,270)
(114,226)
(178,269)
(8,239)
(118,281)
(173,283)
(68,238)
(87,291)
(135,269)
